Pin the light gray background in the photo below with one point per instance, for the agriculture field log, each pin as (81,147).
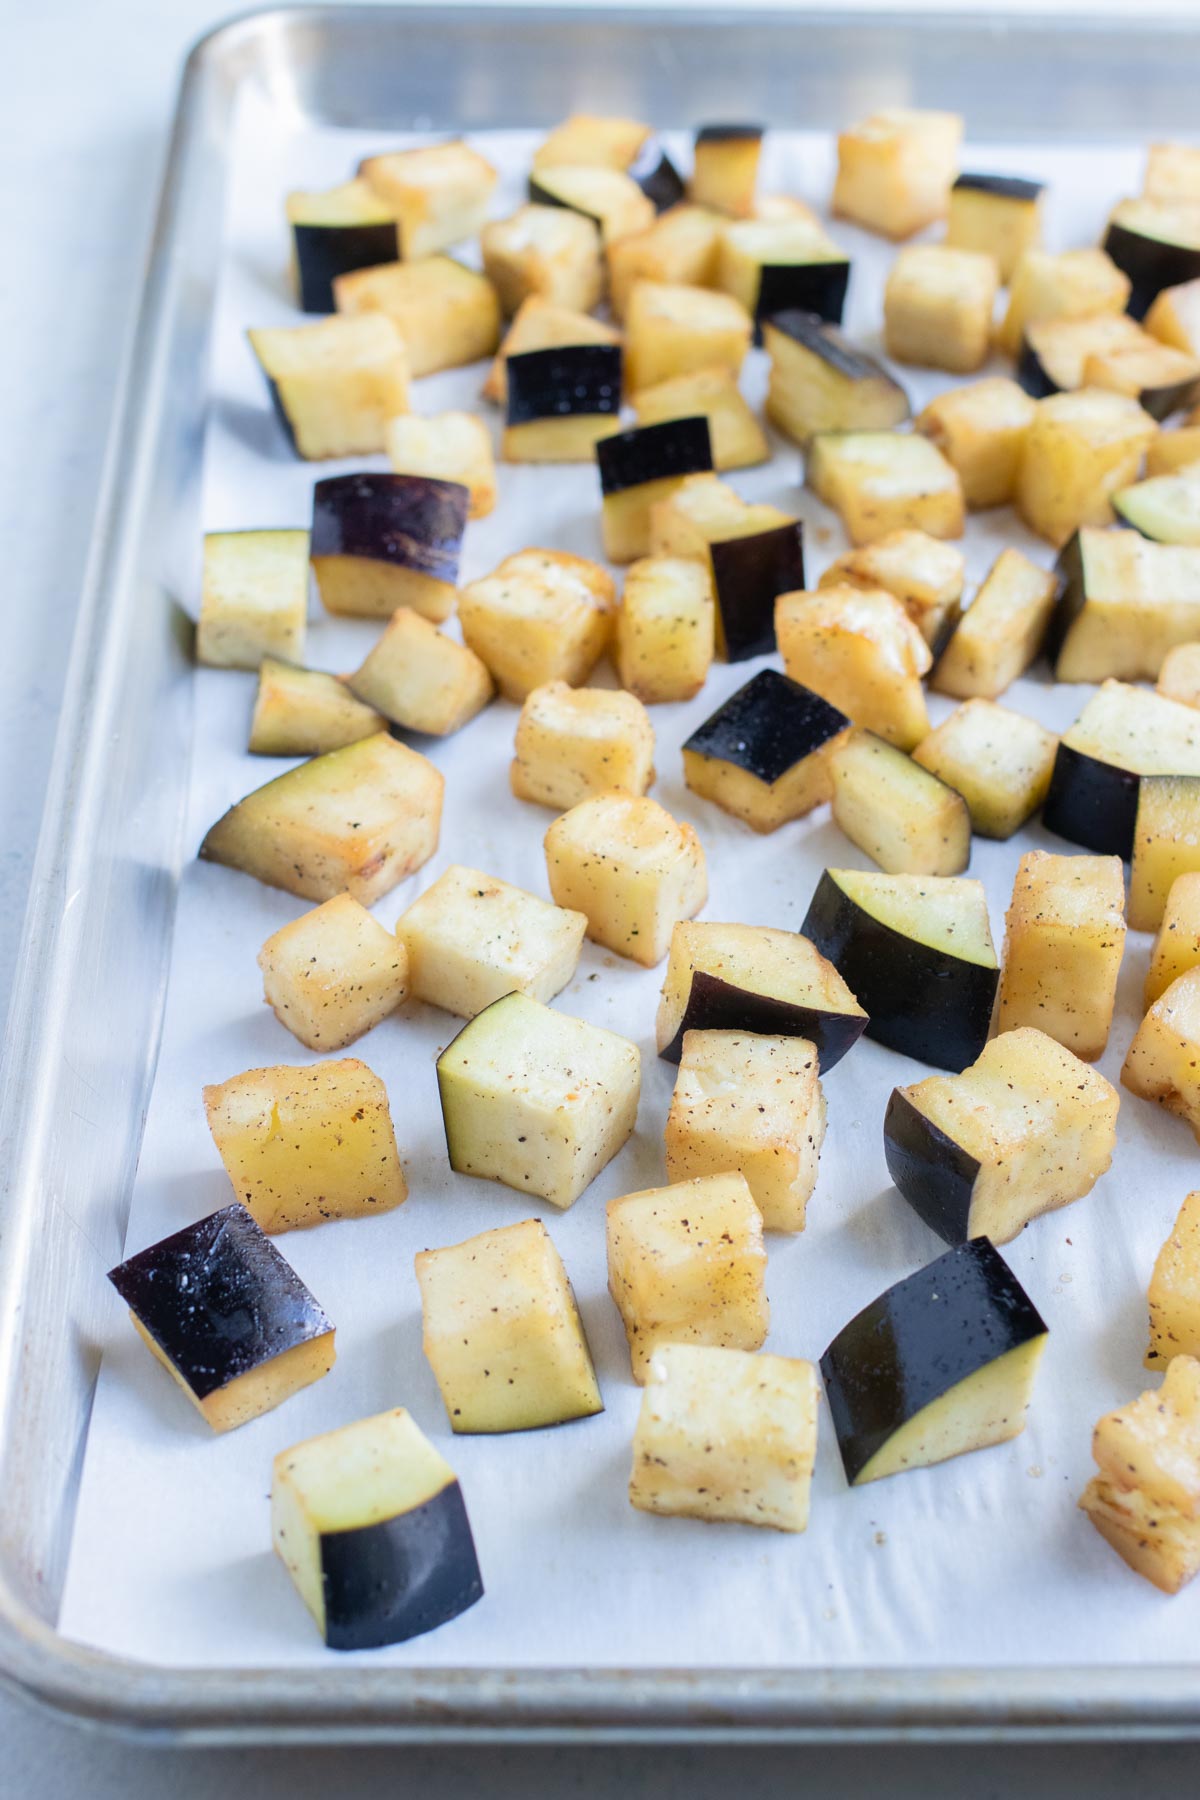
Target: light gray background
(89,92)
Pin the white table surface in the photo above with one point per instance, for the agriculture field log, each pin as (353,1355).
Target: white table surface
(89,92)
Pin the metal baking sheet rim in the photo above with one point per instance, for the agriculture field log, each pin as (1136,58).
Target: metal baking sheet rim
(332,1705)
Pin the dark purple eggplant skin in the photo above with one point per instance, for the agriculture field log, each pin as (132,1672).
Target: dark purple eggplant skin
(818,288)
(922,1002)
(935,1175)
(768,726)
(412,521)
(676,447)
(323,252)
(399,1578)
(825,340)
(219,1300)
(657,175)
(918,1340)
(544,196)
(1004,187)
(567,381)
(1032,375)
(1072,594)
(1150,264)
(1092,803)
(729,134)
(749,574)
(1161,402)
(717,1005)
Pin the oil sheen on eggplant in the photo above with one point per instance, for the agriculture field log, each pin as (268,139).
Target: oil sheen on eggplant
(676,447)
(399,1578)
(411,521)
(767,727)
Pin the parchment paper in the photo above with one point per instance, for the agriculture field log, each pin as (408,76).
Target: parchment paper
(982,1560)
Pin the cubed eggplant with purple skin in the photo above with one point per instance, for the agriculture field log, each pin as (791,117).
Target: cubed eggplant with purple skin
(561,401)
(227,1316)
(1156,245)
(725,167)
(641,466)
(335,233)
(749,574)
(816,287)
(657,175)
(763,755)
(384,541)
(1123,733)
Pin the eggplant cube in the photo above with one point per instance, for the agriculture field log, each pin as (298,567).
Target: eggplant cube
(751,1103)
(303,1145)
(610,197)
(980,430)
(1163,1062)
(674,330)
(1025,1129)
(1001,632)
(724,1434)
(586,140)
(1174,318)
(572,743)
(451,446)
(940,1364)
(380,542)
(665,629)
(997,214)
(754,978)
(438,193)
(895,170)
(755,553)
(1177,945)
(905,818)
(227,1317)
(1123,735)
(639,470)
(304,712)
(925,574)
(537,1100)
(880,481)
(561,402)
(1179,675)
(937,307)
(1079,449)
(858,649)
(680,247)
(783,264)
(541,616)
(254,598)
(343,228)
(333,973)
(420,679)
(1145,1502)
(1175,1290)
(998,760)
(544,250)
(764,755)
(370,1524)
(1166,509)
(1072,284)
(1124,603)
(1163,381)
(725,168)
(470,939)
(357,820)
(1166,844)
(632,869)
(917,951)
(737,438)
(820,382)
(1056,354)
(335,385)
(1172,174)
(541,325)
(503,1334)
(1064,936)
(686,1265)
(1157,244)
(447,314)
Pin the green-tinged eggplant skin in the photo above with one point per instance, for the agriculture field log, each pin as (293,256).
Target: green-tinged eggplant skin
(411,521)
(749,574)
(657,175)
(918,1341)
(935,1175)
(920,1001)
(564,381)
(395,1580)
(1151,264)
(1092,803)
(717,1005)
(817,288)
(323,252)
(1072,597)
(1005,187)
(676,447)
(768,726)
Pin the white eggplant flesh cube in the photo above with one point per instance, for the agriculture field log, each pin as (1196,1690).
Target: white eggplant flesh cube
(896,168)
(542,325)
(632,869)
(335,384)
(420,679)
(593,140)
(1125,604)
(1174,318)
(1177,944)
(980,430)
(1069,284)
(905,818)
(858,649)
(925,575)
(543,615)
(1172,174)
(725,168)
(1163,1063)
(438,193)
(572,743)
(536,1099)
(448,315)
(254,598)
(470,939)
(997,759)
(883,481)
(609,196)
(1166,844)
(680,247)
(303,1145)
(1064,936)
(1179,676)
(450,446)
(370,1524)
(1174,1295)
(726,1435)
(1001,217)
(755,1104)
(333,974)
(1145,1502)
(665,630)
(1001,632)
(503,1334)
(674,330)
(686,1265)
(738,440)
(1079,450)
(548,251)
(937,307)
(305,712)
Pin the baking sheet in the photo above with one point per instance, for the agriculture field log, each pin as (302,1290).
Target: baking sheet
(982,1561)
